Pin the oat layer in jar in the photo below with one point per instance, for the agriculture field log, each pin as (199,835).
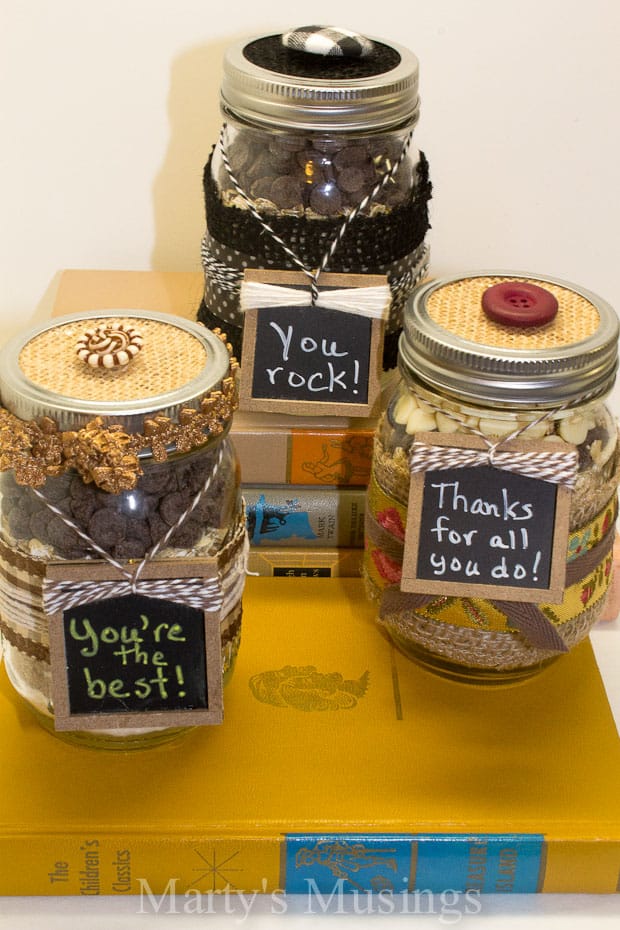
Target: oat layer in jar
(316,146)
(120,504)
(487,360)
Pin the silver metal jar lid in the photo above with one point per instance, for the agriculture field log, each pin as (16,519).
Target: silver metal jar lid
(450,343)
(42,375)
(267,84)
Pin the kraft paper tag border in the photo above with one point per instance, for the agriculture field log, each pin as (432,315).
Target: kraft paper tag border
(410,582)
(309,407)
(64,719)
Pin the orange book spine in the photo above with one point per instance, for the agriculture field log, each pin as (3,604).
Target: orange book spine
(301,456)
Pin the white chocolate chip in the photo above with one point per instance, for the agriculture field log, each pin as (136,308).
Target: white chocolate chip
(403,407)
(420,421)
(446,424)
(536,430)
(574,430)
(492,427)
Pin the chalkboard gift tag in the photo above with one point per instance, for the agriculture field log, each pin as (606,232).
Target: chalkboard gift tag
(312,360)
(483,530)
(134,660)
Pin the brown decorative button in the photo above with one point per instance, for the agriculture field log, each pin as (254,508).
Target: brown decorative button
(109,346)
(518,303)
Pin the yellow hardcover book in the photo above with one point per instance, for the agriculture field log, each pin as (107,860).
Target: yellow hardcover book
(340,767)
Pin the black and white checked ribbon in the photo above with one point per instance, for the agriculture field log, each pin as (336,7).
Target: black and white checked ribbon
(229,279)
(328,40)
(559,466)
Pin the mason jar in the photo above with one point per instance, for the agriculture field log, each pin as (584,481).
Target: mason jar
(116,469)
(315,167)
(501,357)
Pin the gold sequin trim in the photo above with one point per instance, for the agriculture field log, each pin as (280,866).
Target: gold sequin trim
(107,455)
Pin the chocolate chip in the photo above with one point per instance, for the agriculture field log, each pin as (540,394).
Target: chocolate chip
(351,180)
(385,149)
(351,155)
(261,189)
(157,527)
(106,527)
(286,192)
(238,154)
(83,509)
(188,534)
(130,548)
(326,199)
(61,536)
(261,167)
(19,522)
(38,524)
(54,490)
(139,529)
(281,158)
(155,480)
(173,505)
(78,490)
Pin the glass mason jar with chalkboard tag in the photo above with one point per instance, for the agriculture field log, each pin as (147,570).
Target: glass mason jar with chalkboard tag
(315,168)
(492,501)
(122,539)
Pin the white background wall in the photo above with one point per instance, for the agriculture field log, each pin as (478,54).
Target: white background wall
(108,111)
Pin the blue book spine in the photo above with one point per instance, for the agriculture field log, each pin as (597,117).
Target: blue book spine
(496,863)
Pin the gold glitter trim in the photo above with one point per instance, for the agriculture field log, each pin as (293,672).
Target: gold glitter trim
(108,456)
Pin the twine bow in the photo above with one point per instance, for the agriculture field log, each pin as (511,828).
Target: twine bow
(558,466)
(202,593)
(372,302)
(216,592)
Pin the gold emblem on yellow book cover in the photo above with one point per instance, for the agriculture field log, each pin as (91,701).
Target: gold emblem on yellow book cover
(305,688)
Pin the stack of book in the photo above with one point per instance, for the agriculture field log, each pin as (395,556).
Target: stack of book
(304,482)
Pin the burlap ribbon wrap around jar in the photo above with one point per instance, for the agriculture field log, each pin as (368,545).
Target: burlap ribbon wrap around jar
(503,358)
(116,470)
(315,168)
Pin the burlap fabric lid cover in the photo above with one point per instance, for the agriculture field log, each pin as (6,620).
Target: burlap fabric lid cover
(451,345)
(41,375)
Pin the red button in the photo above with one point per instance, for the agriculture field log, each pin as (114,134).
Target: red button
(517,303)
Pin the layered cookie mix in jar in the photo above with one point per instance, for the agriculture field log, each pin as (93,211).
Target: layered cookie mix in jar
(123,542)
(315,169)
(492,501)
